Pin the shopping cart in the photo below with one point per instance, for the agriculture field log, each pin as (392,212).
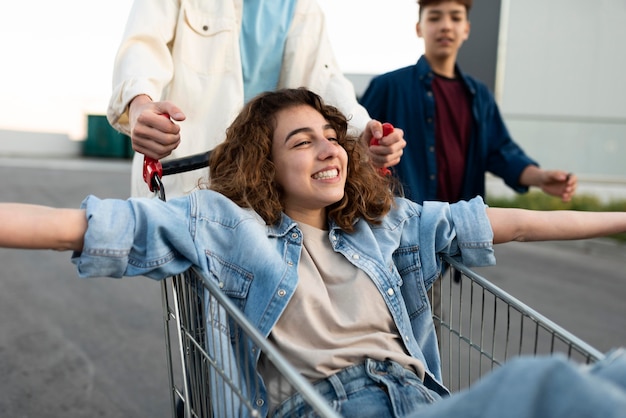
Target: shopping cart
(480,327)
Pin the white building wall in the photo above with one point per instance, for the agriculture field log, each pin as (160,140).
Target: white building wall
(560,83)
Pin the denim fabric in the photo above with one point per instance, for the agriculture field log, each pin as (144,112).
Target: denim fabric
(404,97)
(256,265)
(373,389)
(525,387)
(551,387)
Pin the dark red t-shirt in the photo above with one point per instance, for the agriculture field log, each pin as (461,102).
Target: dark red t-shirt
(453,121)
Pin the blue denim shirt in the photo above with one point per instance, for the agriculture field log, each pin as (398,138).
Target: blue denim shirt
(256,264)
(404,98)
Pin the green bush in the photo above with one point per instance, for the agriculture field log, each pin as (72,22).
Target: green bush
(540,201)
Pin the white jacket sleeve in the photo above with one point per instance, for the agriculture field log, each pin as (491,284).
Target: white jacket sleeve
(143,64)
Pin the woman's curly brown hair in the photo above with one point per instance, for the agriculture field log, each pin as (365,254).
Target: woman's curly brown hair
(242,167)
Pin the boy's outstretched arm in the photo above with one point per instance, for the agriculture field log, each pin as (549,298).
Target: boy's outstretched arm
(41,227)
(532,225)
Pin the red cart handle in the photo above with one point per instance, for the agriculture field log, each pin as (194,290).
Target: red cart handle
(387,129)
(153,170)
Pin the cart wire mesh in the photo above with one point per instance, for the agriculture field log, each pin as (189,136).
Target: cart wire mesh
(212,378)
(480,326)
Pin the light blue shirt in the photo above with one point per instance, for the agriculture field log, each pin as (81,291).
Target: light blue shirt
(264,28)
(256,265)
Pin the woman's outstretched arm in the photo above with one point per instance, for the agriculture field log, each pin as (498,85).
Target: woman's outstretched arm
(41,227)
(532,225)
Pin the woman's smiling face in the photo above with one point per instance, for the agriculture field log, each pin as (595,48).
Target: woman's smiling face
(311,166)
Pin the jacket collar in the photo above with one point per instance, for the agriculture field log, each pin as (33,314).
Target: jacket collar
(425,72)
(285,225)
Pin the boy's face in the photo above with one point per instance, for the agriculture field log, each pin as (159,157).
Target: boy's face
(444,27)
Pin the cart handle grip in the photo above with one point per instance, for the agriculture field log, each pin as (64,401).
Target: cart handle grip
(387,129)
(152,169)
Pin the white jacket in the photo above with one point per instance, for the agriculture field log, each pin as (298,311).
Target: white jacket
(187,52)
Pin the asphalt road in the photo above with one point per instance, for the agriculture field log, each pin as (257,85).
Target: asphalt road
(76,347)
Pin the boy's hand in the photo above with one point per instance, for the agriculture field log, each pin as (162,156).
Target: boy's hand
(559,184)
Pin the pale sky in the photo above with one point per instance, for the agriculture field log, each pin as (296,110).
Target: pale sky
(57,55)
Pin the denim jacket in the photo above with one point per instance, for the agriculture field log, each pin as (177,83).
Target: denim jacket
(404,97)
(256,264)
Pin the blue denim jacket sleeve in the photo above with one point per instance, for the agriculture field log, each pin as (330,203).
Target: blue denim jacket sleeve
(137,237)
(473,232)
(461,230)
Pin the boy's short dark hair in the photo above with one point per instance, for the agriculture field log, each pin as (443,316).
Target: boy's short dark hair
(425,3)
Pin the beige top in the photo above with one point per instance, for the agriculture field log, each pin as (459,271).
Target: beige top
(335,319)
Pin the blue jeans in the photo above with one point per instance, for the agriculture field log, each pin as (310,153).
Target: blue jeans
(551,386)
(378,389)
(525,387)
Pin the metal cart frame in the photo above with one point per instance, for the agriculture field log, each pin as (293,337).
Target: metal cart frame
(480,326)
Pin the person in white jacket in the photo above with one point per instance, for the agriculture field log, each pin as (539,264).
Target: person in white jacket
(199,61)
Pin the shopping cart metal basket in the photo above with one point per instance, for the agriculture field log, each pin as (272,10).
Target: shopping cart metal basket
(480,327)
